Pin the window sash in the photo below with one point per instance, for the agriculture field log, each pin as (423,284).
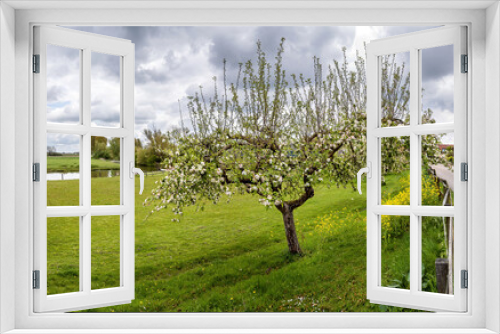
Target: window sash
(414,298)
(86,297)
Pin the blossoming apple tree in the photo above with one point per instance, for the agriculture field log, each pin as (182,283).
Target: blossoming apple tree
(277,136)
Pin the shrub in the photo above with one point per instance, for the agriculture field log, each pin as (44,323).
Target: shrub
(336,222)
(395,226)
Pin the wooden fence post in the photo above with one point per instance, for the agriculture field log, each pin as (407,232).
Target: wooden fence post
(442,267)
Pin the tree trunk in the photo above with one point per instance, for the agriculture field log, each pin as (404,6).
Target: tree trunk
(291,232)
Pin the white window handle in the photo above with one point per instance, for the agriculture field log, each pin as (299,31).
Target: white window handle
(134,171)
(368,171)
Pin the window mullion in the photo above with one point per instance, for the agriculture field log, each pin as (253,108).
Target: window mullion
(85,172)
(85,246)
(414,171)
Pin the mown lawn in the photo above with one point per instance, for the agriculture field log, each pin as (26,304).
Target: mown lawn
(72,164)
(231,257)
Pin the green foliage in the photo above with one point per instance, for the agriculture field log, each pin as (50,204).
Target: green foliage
(154,152)
(52,152)
(114,148)
(395,236)
(395,226)
(99,148)
(104,148)
(450,155)
(434,246)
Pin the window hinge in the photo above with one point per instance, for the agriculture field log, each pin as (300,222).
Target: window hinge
(465,279)
(464,171)
(36,279)
(465,64)
(36,172)
(36,63)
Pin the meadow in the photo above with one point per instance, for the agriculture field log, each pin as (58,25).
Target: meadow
(233,257)
(72,164)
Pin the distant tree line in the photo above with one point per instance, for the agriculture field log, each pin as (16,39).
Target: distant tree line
(104,148)
(158,143)
(151,152)
(52,152)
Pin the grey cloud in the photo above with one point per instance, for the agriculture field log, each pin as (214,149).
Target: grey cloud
(436,95)
(55,93)
(437,62)
(171,68)
(63,142)
(301,45)
(144,76)
(104,115)
(61,52)
(237,46)
(68,114)
(143,117)
(176,60)
(140,36)
(104,65)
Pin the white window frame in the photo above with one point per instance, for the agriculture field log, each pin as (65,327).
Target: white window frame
(86,44)
(483,102)
(413,44)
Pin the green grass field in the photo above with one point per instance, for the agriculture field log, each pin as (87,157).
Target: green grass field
(72,164)
(231,257)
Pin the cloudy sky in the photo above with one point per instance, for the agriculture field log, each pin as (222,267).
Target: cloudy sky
(172,62)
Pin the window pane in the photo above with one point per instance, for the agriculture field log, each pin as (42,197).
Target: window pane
(437,85)
(437,254)
(437,170)
(395,170)
(395,263)
(63,169)
(63,255)
(105,252)
(63,85)
(395,89)
(105,166)
(105,90)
